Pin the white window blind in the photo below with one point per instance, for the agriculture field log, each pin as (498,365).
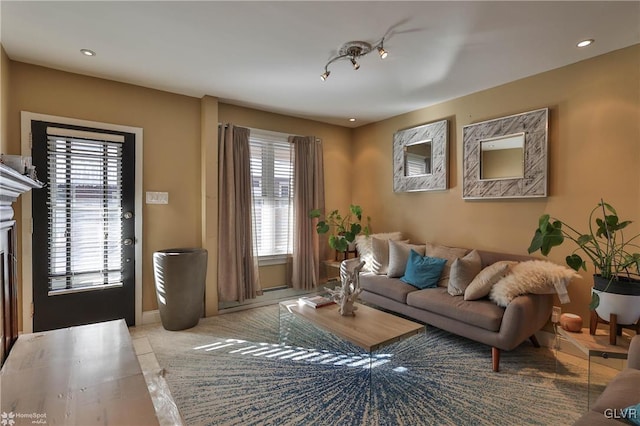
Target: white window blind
(272,182)
(84,197)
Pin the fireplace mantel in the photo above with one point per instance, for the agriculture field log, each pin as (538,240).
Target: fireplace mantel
(12,185)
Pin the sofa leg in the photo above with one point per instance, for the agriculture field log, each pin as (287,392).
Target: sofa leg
(534,341)
(495,358)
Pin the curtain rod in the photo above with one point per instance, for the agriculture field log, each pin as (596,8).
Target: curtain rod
(267,131)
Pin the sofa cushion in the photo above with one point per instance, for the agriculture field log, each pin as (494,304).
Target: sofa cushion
(365,251)
(620,393)
(444,252)
(423,271)
(480,313)
(482,283)
(380,252)
(399,255)
(463,271)
(392,288)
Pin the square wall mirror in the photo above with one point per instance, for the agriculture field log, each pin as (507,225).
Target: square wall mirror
(506,157)
(420,157)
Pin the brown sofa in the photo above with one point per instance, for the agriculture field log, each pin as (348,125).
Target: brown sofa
(480,320)
(622,392)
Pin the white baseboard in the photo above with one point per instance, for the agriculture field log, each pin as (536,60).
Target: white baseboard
(150,317)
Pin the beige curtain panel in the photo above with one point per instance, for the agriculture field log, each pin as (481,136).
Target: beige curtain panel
(308,176)
(237,265)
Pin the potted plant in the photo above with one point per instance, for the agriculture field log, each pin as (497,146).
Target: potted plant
(343,229)
(614,258)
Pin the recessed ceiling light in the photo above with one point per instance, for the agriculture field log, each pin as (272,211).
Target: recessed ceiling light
(585,43)
(352,119)
(87,52)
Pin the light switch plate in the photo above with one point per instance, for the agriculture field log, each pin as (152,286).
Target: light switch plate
(157,197)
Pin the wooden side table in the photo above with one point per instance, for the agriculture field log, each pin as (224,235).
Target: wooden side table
(334,266)
(615,329)
(597,346)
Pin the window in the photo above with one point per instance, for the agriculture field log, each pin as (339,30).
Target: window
(85,195)
(272,177)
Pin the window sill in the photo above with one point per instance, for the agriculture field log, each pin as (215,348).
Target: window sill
(277,259)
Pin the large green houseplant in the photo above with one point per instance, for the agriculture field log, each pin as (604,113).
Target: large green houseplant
(615,258)
(343,228)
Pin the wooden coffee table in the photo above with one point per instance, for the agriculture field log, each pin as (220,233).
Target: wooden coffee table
(370,329)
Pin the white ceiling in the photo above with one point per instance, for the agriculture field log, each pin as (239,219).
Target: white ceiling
(269,55)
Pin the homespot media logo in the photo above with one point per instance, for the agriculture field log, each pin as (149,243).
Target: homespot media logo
(620,414)
(9,419)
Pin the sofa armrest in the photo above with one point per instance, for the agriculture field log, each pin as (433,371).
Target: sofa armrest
(524,316)
(634,353)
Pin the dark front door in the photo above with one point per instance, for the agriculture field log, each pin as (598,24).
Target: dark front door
(83,226)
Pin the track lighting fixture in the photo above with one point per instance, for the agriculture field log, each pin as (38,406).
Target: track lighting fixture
(353,50)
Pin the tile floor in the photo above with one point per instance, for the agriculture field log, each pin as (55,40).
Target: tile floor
(166,409)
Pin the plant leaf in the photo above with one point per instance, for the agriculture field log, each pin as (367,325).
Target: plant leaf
(575,262)
(340,244)
(584,239)
(314,213)
(608,207)
(355,229)
(536,242)
(543,222)
(624,224)
(550,240)
(595,301)
(322,227)
(356,210)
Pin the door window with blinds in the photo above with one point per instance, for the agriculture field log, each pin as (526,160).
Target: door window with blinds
(85,210)
(272,182)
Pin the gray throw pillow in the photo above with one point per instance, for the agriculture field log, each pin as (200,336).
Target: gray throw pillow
(463,271)
(399,255)
(444,252)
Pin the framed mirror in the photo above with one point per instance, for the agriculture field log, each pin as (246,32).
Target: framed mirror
(420,157)
(506,157)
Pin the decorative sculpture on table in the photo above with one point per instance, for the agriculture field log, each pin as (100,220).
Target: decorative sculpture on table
(346,295)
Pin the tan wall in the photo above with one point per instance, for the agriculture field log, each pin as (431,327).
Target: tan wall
(594,149)
(4,102)
(177,138)
(171,157)
(337,160)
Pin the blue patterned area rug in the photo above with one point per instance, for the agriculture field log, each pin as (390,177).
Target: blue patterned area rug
(231,370)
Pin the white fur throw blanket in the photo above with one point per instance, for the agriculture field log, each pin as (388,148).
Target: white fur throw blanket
(533,276)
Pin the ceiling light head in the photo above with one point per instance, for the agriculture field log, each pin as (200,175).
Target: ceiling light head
(352,50)
(352,120)
(87,52)
(585,43)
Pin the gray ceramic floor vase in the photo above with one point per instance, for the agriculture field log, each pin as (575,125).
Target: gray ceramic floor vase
(180,276)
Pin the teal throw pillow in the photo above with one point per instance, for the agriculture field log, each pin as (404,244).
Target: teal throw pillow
(632,414)
(423,271)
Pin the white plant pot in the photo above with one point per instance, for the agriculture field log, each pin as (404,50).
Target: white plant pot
(626,307)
